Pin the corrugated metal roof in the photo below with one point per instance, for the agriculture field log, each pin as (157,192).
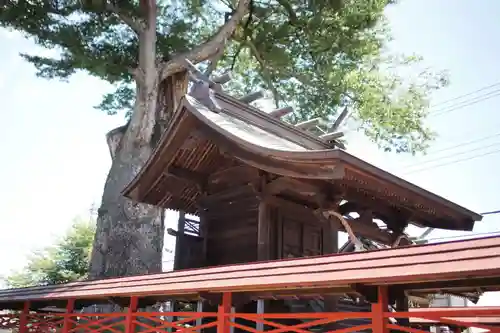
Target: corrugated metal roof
(469,259)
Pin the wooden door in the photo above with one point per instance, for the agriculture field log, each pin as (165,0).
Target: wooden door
(300,238)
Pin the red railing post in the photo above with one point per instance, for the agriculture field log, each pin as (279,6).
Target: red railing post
(129,318)
(23,318)
(224,310)
(379,322)
(70,306)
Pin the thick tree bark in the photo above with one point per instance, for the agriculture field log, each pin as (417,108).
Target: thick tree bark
(129,236)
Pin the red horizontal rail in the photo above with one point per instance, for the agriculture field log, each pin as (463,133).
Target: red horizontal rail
(223,320)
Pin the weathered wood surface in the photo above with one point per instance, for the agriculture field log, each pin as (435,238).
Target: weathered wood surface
(246,135)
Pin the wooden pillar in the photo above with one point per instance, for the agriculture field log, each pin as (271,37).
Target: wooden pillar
(23,318)
(179,241)
(199,309)
(260,310)
(70,306)
(402,306)
(264,231)
(204,235)
(224,310)
(170,308)
(330,245)
(330,239)
(379,322)
(129,318)
(232,319)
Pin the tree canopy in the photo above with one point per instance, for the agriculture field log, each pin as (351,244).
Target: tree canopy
(65,261)
(316,55)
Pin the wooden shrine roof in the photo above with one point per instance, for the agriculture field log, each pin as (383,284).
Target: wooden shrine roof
(202,142)
(459,265)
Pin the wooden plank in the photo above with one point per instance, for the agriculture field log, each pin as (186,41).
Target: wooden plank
(204,234)
(308,124)
(278,113)
(286,183)
(240,174)
(331,136)
(263,231)
(187,175)
(179,241)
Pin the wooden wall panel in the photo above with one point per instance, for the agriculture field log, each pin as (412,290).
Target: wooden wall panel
(232,228)
(301,233)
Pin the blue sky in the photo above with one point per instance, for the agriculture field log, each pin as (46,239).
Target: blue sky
(56,160)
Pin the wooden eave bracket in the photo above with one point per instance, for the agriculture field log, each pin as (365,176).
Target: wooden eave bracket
(357,243)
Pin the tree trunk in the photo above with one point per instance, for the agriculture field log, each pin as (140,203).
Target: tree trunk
(129,236)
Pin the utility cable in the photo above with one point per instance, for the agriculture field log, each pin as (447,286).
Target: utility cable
(465,103)
(454,161)
(466,94)
(450,155)
(463,144)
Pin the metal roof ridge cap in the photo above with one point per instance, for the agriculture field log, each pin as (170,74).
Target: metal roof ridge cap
(349,158)
(272,120)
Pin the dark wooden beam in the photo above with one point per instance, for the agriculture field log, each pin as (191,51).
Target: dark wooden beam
(368,292)
(179,241)
(209,200)
(264,225)
(278,113)
(243,173)
(296,185)
(193,177)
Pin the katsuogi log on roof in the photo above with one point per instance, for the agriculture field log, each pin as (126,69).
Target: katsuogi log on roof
(202,148)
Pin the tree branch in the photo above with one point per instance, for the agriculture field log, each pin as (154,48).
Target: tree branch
(214,60)
(209,48)
(291,14)
(265,72)
(131,22)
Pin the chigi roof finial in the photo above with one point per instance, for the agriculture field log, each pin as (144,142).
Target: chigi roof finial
(202,87)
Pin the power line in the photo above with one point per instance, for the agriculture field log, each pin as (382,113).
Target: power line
(467,94)
(466,143)
(450,155)
(465,103)
(454,161)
